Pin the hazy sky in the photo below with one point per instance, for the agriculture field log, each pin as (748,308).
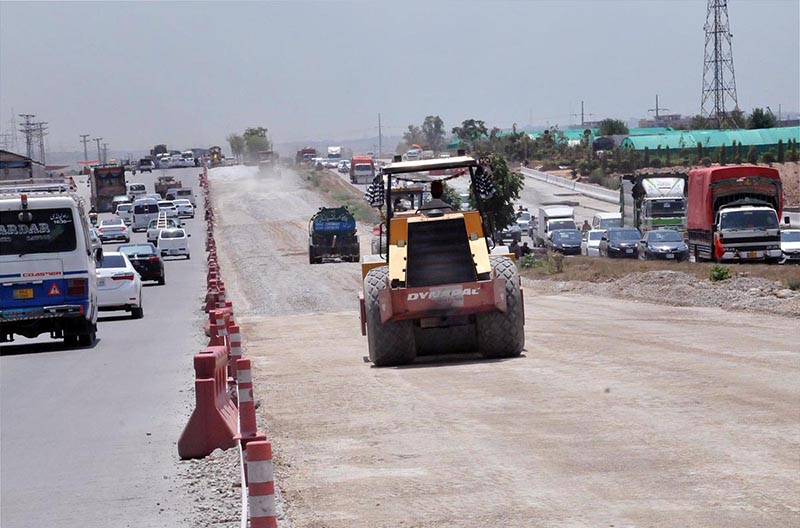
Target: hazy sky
(188,74)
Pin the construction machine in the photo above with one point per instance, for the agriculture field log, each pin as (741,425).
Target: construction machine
(439,287)
(332,235)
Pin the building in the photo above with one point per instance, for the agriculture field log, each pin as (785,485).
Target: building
(19,167)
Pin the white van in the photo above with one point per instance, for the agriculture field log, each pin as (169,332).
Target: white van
(144,210)
(48,265)
(135,190)
(606,220)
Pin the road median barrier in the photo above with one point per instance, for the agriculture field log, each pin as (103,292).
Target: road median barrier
(261,485)
(213,423)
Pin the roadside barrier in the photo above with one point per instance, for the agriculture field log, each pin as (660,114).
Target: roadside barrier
(212,424)
(261,485)
(225,412)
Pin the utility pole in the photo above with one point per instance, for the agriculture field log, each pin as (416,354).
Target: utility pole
(380,137)
(40,134)
(105,153)
(85,140)
(656,109)
(28,129)
(99,156)
(719,80)
(583,116)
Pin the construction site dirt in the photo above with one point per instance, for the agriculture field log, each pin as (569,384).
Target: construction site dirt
(618,413)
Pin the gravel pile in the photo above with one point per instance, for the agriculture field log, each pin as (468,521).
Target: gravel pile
(215,485)
(681,289)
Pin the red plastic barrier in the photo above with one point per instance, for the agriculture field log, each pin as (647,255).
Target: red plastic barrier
(213,421)
(218,320)
(261,486)
(248,429)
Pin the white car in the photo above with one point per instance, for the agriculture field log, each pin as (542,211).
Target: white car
(125,211)
(790,245)
(155,227)
(184,207)
(113,229)
(590,243)
(119,286)
(174,243)
(167,206)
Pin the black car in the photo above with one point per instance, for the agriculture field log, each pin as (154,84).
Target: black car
(146,260)
(620,242)
(663,244)
(565,241)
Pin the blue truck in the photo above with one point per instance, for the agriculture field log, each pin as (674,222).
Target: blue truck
(332,236)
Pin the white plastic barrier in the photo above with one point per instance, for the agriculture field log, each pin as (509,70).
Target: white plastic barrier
(598,193)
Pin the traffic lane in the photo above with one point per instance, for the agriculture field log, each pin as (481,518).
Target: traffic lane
(94,430)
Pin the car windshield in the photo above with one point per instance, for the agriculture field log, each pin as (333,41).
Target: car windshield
(124,208)
(567,235)
(524,216)
(623,235)
(561,224)
(137,249)
(182,202)
(759,219)
(664,236)
(606,223)
(363,168)
(145,208)
(172,233)
(111,222)
(790,236)
(112,261)
(138,187)
(166,204)
(664,208)
(44,231)
(596,235)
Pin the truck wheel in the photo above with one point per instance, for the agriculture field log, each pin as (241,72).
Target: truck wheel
(311,254)
(87,340)
(499,334)
(390,343)
(70,340)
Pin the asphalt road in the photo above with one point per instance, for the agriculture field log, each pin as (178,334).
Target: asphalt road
(88,436)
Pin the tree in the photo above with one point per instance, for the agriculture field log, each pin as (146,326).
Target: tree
(255,140)
(647,156)
(721,154)
(752,155)
(499,210)
(237,144)
(781,155)
(760,119)
(699,152)
(737,117)
(412,136)
(613,127)
(699,122)
(158,149)
(471,130)
(451,196)
(433,131)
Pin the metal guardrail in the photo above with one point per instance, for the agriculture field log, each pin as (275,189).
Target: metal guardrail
(598,193)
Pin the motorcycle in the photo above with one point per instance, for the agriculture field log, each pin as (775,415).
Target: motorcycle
(93,218)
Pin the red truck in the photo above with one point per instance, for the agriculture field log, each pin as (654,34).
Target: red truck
(362,169)
(733,213)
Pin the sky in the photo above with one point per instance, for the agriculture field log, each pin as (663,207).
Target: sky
(188,74)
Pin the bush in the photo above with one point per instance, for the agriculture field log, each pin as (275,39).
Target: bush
(793,283)
(768,157)
(656,163)
(752,155)
(529,261)
(719,273)
(707,161)
(687,161)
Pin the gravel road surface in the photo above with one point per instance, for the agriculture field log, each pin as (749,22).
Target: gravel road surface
(619,413)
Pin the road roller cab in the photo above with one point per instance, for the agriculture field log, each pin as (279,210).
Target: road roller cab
(436,288)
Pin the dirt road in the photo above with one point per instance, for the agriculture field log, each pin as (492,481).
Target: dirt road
(618,414)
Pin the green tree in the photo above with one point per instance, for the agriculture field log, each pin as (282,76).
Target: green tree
(613,127)
(760,119)
(471,130)
(412,136)
(737,117)
(699,123)
(668,160)
(158,149)
(721,154)
(433,131)
(236,141)
(752,155)
(255,140)
(699,152)
(499,210)
(781,154)
(647,156)
(451,196)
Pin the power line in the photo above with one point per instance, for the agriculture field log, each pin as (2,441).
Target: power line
(29,129)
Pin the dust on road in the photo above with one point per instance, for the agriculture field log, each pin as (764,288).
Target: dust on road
(619,413)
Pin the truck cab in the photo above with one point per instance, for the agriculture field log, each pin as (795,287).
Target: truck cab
(48,263)
(737,225)
(552,219)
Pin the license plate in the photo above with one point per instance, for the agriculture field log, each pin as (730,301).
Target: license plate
(752,254)
(101,282)
(628,251)
(23,293)
(670,256)
(173,251)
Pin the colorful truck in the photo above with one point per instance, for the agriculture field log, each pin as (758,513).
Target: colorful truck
(654,201)
(734,212)
(362,169)
(107,182)
(332,235)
